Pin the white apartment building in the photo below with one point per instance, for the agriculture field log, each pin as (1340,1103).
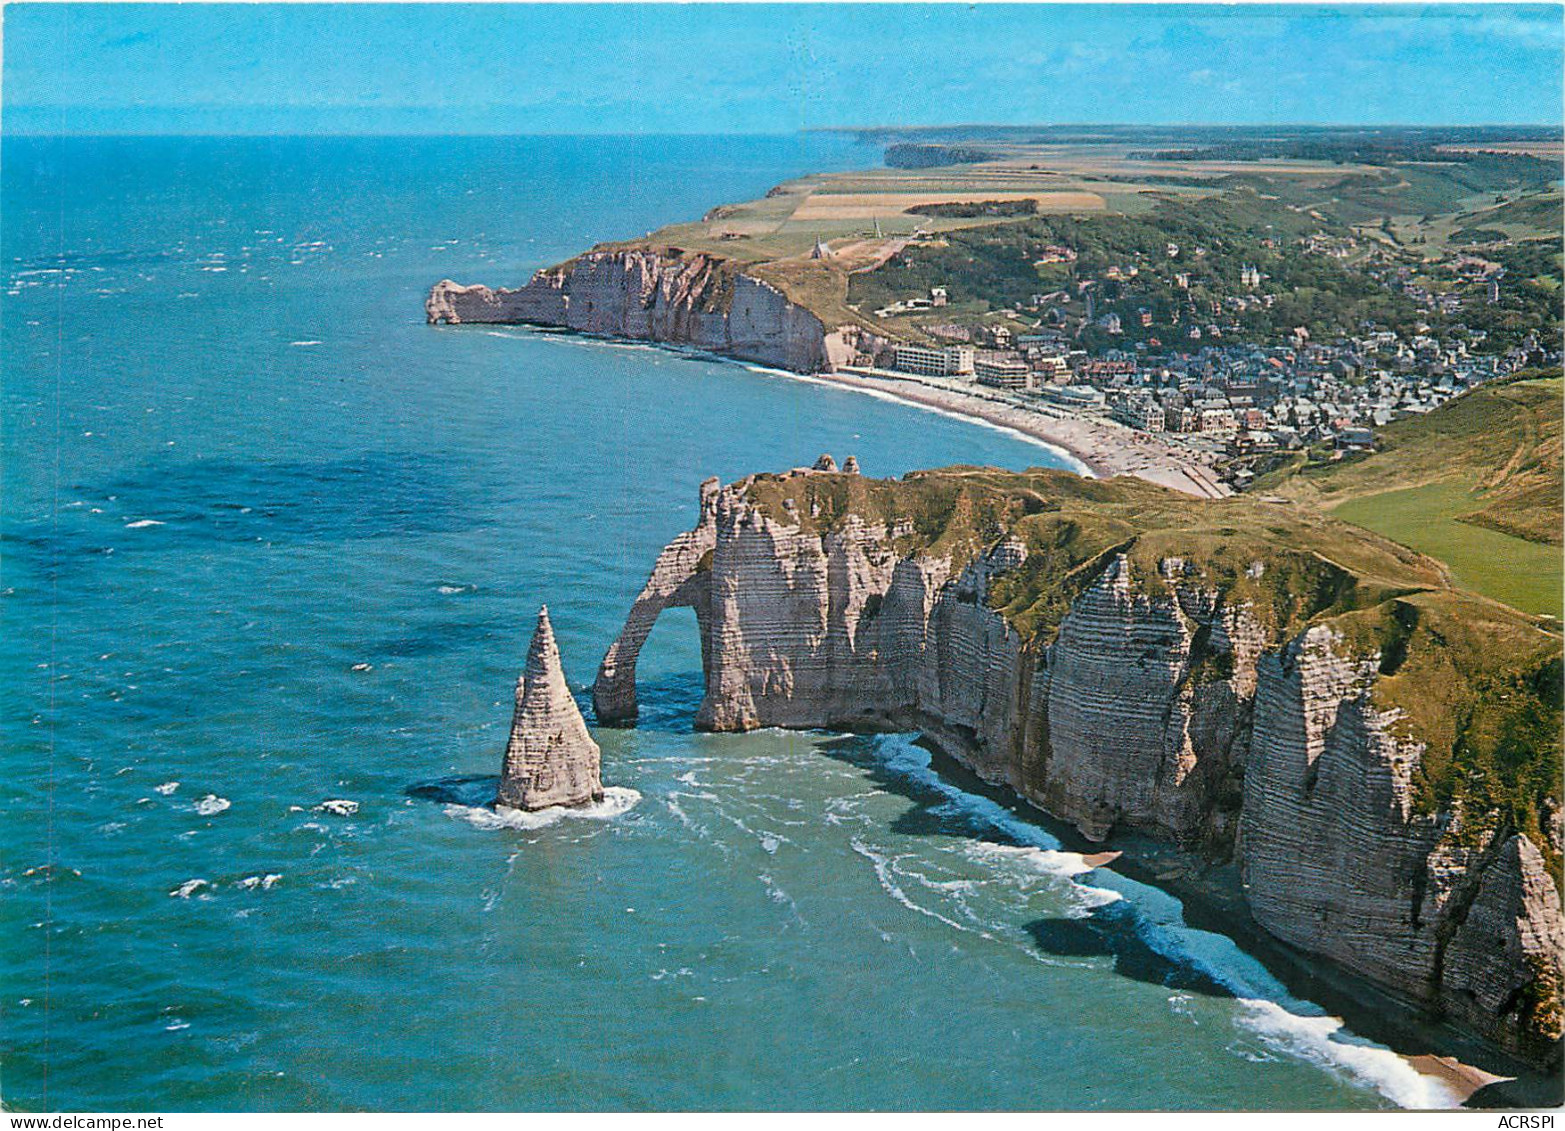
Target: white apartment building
(1003,372)
(1052,368)
(936,361)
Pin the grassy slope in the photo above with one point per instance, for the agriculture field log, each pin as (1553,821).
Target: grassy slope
(1476,483)
(994,267)
(771,237)
(1477,682)
(1536,216)
(1524,575)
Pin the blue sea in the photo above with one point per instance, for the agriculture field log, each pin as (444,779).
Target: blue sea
(273,549)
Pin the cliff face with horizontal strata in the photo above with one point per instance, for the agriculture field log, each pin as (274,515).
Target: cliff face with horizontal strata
(551,758)
(673,297)
(1157,690)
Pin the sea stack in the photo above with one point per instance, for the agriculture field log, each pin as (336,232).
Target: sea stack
(551,758)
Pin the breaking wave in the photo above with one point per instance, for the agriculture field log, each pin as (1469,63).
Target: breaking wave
(617,800)
(1282,1023)
(211,805)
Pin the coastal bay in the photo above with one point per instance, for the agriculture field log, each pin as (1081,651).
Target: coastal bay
(1102,447)
(236,551)
(866,559)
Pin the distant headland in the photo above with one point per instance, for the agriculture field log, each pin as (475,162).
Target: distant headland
(1191,306)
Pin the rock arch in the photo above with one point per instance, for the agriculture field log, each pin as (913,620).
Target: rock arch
(680,579)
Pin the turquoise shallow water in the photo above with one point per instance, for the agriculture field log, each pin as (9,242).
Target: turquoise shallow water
(237,465)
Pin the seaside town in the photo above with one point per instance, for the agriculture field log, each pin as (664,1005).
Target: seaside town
(1234,407)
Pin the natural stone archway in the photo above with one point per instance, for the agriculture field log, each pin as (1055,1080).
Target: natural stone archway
(1175,698)
(680,579)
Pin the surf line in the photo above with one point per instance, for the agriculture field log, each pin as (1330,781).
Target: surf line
(1295,1027)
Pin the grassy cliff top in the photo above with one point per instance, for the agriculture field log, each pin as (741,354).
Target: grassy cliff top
(1501,441)
(1477,682)
(1481,688)
(1478,484)
(1294,562)
(986,226)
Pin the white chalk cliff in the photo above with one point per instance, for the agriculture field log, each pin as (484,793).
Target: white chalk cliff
(1170,697)
(551,759)
(669,296)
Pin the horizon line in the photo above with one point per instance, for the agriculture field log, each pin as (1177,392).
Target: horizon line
(1554,129)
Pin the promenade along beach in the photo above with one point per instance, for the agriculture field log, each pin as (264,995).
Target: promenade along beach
(1100,447)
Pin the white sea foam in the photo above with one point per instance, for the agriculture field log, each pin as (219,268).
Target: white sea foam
(140,522)
(1179,1006)
(617,800)
(189,888)
(778,895)
(1244,1050)
(1327,1042)
(913,761)
(265,883)
(166,788)
(1281,1022)
(338,806)
(769,841)
(211,805)
(885,872)
(1050,862)
(309,342)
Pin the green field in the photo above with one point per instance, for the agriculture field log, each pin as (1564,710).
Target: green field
(1118,196)
(1525,575)
(1491,458)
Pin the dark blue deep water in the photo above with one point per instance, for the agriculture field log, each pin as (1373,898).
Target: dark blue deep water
(238,468)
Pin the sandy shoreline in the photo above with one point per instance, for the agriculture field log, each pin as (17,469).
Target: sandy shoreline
(1100,448)
(1462,1079)
(1105,448)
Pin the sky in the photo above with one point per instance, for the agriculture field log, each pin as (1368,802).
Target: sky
(763,68)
